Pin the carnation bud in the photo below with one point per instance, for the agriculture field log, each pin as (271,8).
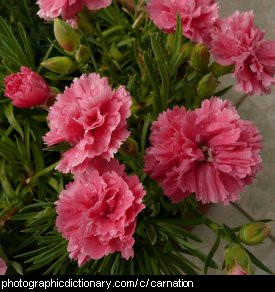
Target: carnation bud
(207,85)
(66,36)
(129,147)
(254,233)
(115,53)
(61,65)
(237,260)
(200,57)
(220,70)
(186,50)
(26,88)
(83,54)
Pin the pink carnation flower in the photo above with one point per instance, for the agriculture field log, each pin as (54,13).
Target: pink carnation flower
(236,40)
(50,9)
(91,117)
(197,16)
(209,151)
(3,267)
(97,212)
(26,88)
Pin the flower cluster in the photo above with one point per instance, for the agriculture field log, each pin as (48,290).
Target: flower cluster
(97,212)
(209,151)
(235,40)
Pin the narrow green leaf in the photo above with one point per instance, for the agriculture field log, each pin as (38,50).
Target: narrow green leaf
(8,190)
(212,253)
(27,44)
(17,267)
(230,233)
(223,91)
(144,133)
(104,263)
(151,232)
(176,56)
(258,263)
(161,61)
(154,83)
(44,171)
(13,122)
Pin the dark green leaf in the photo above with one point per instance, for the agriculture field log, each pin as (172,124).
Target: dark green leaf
(212,253)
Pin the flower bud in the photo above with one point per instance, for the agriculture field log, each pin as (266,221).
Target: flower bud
(200,57)
(83,55)
(66,36)
(129,147)
(254,233)
(61,65)
(207,85)
(237,260)
(186,50)
(220,70)
(26,88)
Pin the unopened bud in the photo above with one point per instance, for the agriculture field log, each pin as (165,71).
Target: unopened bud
(220,70)
(200,57)
(66,36)
(237,260)
(207,85)
(254,233)
(61,65)
(83,54)
(129,147)
(186,50)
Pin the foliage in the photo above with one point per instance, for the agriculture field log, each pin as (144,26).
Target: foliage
(128,49)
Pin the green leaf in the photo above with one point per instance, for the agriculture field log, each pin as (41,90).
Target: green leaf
(144,133)
(104,263)
(230,233)
(223,91)
(27,44)
(8,190)
(161,61)
(43,172)
(212,253)
(17,267)
(176,56)
(154,83)
(13,122)
(151,232)
(60,147)
(258,263)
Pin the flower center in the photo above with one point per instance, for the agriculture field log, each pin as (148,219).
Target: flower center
(207,152)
